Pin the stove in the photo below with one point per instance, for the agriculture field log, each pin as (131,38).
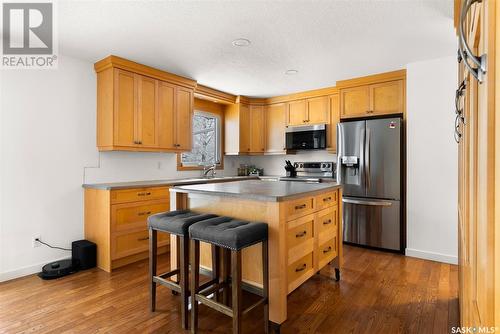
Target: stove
(313,172)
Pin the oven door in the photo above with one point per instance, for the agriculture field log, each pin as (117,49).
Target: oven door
(310,137)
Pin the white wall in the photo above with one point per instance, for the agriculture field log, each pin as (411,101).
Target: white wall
(48,138)
(432,160)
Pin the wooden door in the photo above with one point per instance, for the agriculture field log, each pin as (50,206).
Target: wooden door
(331,129)
(387,98)
(147,111)
(244,129)
(183,118)
(257,139)
(297,112)
(318,110)
(275,120)
(479,238)
(166,118)
(124,108)
(354,102)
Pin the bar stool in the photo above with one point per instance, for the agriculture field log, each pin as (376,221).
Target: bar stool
(177,223)
(232,235)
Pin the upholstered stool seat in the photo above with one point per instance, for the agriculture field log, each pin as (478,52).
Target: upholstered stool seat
(176,222)
(227,232)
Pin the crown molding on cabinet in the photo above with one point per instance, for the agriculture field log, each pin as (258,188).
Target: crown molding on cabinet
(371,79)
(214,95)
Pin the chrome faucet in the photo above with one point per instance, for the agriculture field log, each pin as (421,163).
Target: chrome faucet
(209,168)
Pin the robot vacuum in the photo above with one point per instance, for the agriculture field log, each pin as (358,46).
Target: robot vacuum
(58,269)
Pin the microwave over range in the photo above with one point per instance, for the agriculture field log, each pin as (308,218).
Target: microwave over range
(307,137)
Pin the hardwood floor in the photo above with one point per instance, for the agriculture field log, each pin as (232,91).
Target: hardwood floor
(378,293)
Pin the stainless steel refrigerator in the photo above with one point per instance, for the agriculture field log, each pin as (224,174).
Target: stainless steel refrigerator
(370,170)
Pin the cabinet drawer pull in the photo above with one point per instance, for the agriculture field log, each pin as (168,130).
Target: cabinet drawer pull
(144,193)
(143,239)
(301,268)
(144,213)
(302,206)
(301,234)
(326,222)
(326,199)
(327,249)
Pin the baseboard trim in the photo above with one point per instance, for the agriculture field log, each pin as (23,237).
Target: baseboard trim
(25,271)
(431,256)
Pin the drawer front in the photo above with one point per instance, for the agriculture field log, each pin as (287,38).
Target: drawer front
(328,221)
(326,200)
(139,194)
(300,232)
(299,207)
(134,215)
(327,252)
(299,271)
(133,243)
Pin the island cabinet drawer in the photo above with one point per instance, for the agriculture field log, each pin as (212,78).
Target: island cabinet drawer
(126,216)
(300,237)
(299,207)
(139,194)
(327,252)
(326,200)
(327,221)
(133,243)
(299,271)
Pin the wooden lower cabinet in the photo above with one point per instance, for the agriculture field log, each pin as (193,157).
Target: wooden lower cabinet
(116,220)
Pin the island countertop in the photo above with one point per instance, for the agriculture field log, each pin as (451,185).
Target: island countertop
(260,190)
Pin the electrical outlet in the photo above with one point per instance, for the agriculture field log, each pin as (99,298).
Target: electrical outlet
(35,242)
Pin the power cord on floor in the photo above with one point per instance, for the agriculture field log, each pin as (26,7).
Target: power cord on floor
(55,247)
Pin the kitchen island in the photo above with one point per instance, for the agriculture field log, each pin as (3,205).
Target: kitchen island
(305,229)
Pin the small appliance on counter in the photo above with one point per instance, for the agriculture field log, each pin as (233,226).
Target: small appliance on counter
(83,256)
(312,172)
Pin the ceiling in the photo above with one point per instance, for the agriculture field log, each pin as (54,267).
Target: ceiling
(325,41)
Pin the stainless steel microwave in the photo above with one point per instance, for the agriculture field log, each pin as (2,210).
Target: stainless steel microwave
(307,137)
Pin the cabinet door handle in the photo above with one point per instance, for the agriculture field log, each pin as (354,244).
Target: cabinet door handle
(298,207)
(144,194)
(143,239)
(326,250)
(326,199)
(301,234)
(301,268)
(326,222)
(144,213)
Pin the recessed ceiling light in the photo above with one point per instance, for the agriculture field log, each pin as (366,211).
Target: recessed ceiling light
(241,42)
(291,72)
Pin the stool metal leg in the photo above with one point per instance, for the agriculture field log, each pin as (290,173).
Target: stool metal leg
(237,295)
(265,284)
(195,282)
(152,267)
(184,280)
(216,268)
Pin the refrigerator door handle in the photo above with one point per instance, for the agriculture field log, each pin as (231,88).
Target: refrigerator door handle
(362,164)
(367,159)
(363,202)
(340,144)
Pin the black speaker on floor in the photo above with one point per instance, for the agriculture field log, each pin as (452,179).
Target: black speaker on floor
(84,254)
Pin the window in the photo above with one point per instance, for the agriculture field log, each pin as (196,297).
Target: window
(206,141)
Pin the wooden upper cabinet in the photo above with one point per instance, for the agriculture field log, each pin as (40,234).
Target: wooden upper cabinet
(355,101)
(257,139)
(275,121)
(331,130)
(318,110)
(297,112)
(147,112)
(387,97)
(244,128)
(184,118)
(125,108)
(166,115)
(139,108)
